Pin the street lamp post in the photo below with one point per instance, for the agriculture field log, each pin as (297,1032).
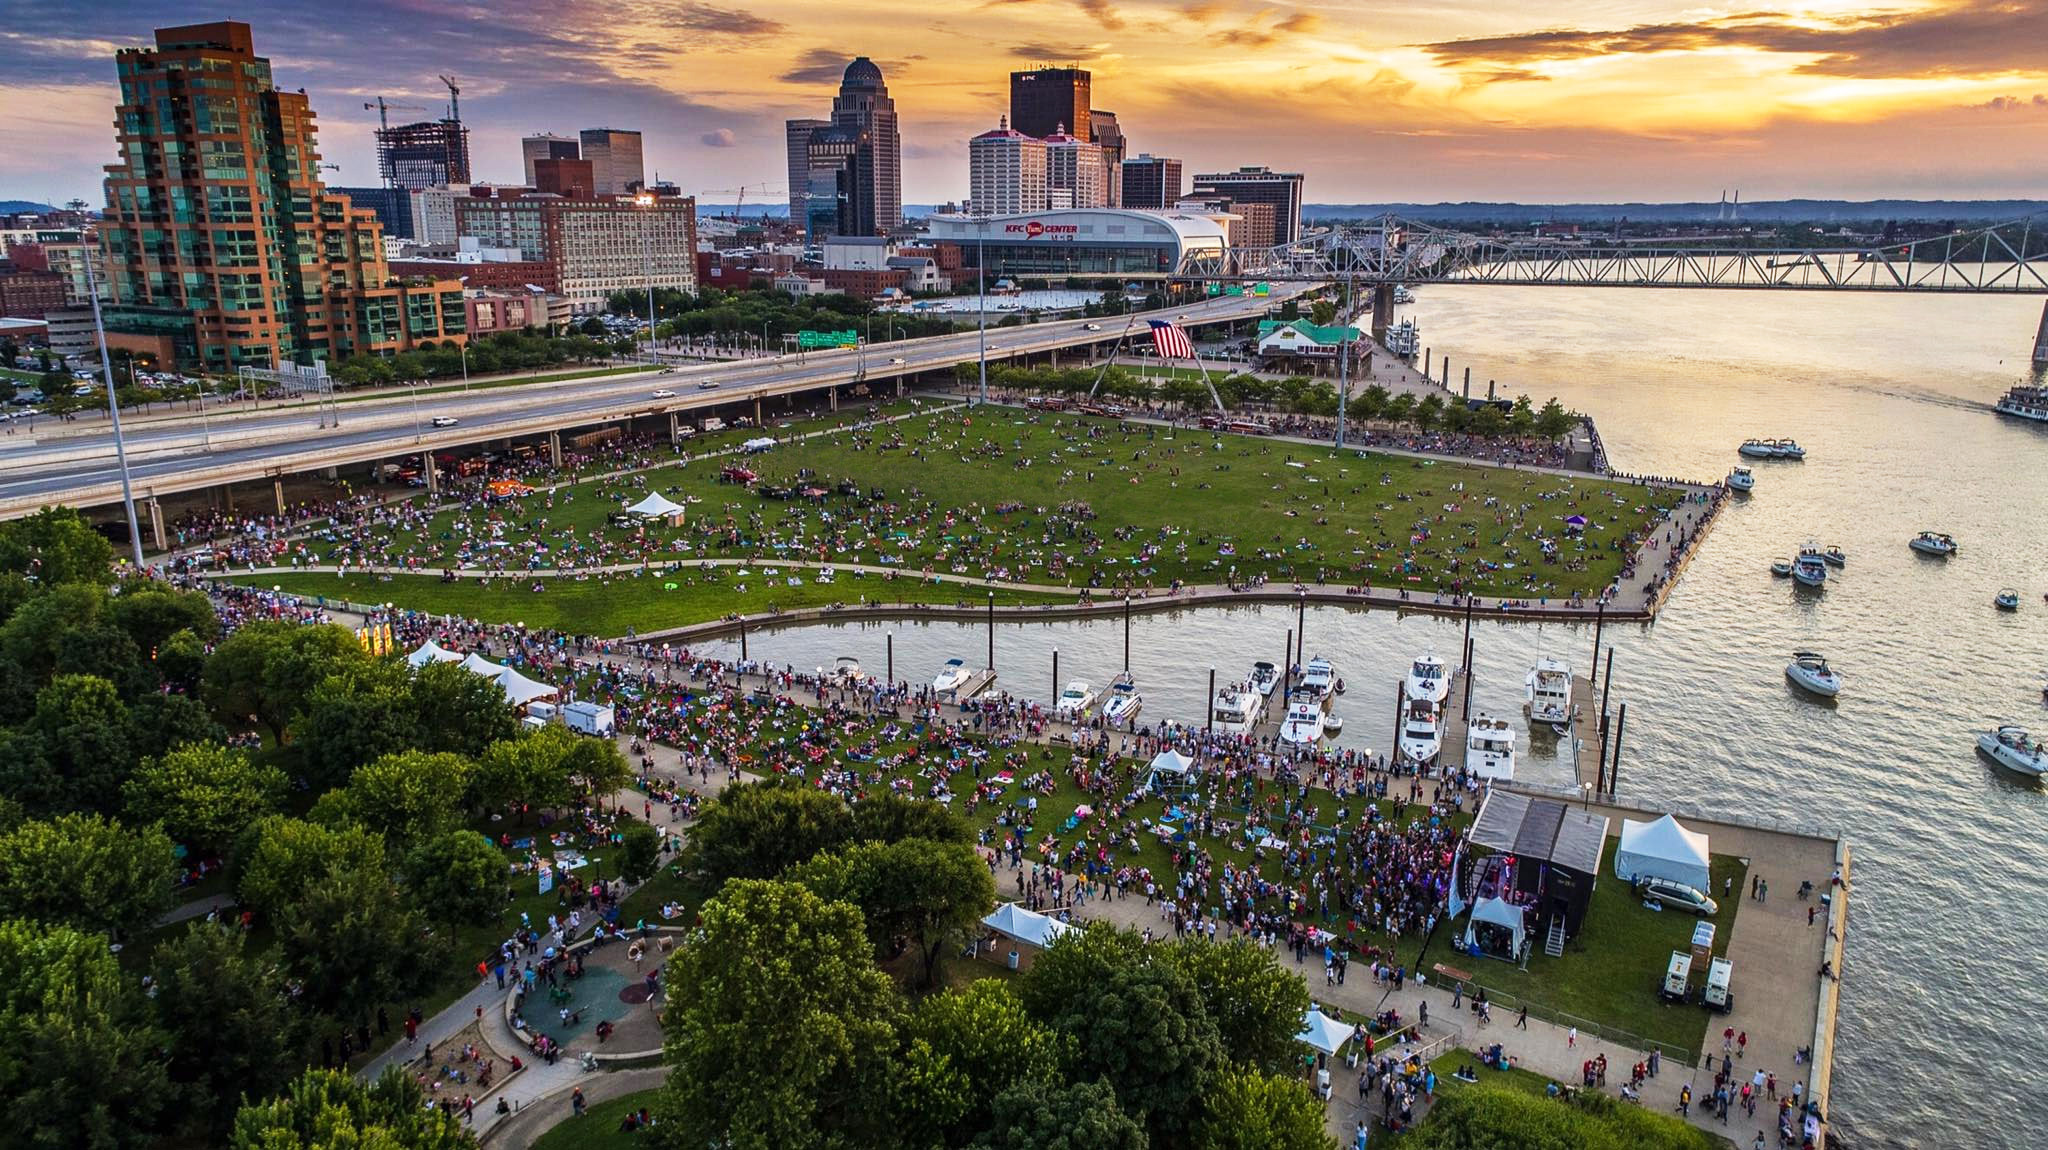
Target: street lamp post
(99,330)
(981,298)
(465,363)
(644,200)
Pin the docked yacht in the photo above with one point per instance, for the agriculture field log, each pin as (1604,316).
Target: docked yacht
(1303,726)
(2011,747)
(1265,676)
(1933,543)
(1318,676)
(1124,702)
(1742,479)
(846,671)
(1422,732)
(951,677)
(1074,702)
(1235,709)
(1810,670)
(1490,749)
(1809,569)
(1549,687)
(1428,679)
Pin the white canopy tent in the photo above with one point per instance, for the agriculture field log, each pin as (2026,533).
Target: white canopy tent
(1014,921)
(655,506)
(477,664)
(432,652)
(520,690)
(1662,849)
(1169,767)
(1500,913)
(1323,1032)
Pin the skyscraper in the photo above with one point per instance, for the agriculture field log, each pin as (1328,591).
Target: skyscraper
(615,160)
(1044,101)
(1255,185)
(222,247)
(546,146)
(1109,135)
(1151,182)
(1006,173)
(797,145)
(1075,173)
(853,176)
(424,155)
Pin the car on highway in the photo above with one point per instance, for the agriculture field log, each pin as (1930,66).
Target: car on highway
(1094,327)
(707,385)
(664,393)
(445,421)
(897,361)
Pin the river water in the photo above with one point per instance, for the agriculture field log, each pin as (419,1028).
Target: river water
(1944,1010)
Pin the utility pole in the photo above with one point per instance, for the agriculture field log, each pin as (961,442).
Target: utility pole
(99,330)
(981,298)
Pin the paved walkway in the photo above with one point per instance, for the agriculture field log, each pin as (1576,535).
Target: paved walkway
(522,1128)
(198,907)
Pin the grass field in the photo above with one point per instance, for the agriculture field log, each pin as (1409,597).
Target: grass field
(598,1129)
(1064,501)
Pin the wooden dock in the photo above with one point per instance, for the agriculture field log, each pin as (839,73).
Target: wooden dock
(1586,732)
(1452,757)
(976,683)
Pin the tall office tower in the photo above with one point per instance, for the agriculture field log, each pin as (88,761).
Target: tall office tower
(863,106)
(1106,132)
(393,207)
(1006,173)
(546,146)
(1254,185)
(1048,100)
(222,247)
(796,138)
(1075,173)
(615,160)
(424,155)
(1151,182)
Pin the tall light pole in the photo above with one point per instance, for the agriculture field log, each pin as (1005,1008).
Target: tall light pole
(99,330)
(644,200)
(465,362)
(981,298)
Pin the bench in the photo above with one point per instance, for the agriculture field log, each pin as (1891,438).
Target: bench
(1451,973)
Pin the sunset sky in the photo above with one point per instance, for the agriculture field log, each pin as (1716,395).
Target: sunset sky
(1450,100)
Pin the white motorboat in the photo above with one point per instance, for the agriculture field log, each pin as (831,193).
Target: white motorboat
(1318,676)
(1809,569)
(951,677)
(1742,479)
(2007,599)
(1933,543)
(1788,449)
(1835,557)
(1549,687)
(1235,709)
(1422,732)
(1782,567)
(1758,449)
(846,670)
(1810,670)
(1333,723)
(1490,749)
(1304,724)
(1124,702)
(1075,701)
(2012,748)
(1428,679)
(1265,676)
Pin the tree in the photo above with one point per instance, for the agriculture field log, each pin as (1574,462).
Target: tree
(86,872)
(759,830)
(776,968)
(330,1110)
(159,724)
(1322,313)
(1256,1005)
(181,660)
(226,1014)
(55,546)
(458,876)
(1490,1117)
(546,767)
(960,1051)
(1521,417)
(152,614)
(82,730)
(1429,413)
(890,817)
(66,630)
(81,1067)
(1398,409)
(639,851)
(265,670)
(1048,1116)
(459,710)
(408,797)
(1488,421)
(914,890)
(354,943)
(1553,421)
(1247,1110)
(278,857)
(360,713)
(204,796)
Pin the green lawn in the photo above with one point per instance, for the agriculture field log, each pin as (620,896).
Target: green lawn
(1610,974)
(598,1129)
(641,602)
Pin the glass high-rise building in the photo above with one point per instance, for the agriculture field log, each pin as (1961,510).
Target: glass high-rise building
(221,245)
(852,177)
(1048,101)
(615,160)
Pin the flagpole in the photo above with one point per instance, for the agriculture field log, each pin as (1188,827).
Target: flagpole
(1111,361)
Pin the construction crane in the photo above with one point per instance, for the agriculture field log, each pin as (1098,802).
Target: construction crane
(454,99)
(384,111)
(741,192)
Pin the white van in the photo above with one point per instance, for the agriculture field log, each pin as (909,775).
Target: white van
(1678,978)
(1717,994)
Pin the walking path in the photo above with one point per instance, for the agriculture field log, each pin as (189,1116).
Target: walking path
(185,912)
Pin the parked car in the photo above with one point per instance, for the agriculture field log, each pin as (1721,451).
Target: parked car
(1677,896)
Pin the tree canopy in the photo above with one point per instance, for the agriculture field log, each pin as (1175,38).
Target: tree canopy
(759,830)
(330,1110)
(204,795)
(86,872)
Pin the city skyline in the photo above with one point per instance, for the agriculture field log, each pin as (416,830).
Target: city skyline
(1632,100)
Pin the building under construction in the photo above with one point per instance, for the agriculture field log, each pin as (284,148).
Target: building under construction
(429,154)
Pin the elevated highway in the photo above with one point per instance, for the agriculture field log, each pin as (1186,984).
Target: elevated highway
(170,456)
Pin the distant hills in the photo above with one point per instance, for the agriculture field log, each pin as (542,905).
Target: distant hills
(11,207)
(1762,211)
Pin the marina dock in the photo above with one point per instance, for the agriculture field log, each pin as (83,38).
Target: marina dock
(1586,734)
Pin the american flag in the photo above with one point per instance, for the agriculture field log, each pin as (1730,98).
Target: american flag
(1170,341)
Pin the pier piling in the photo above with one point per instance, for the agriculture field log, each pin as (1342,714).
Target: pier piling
(1055,673)
(1614,767)
(2041,338)
(1210,726)
(889,656)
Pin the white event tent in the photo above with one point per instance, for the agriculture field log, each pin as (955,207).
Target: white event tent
(1662,849)
(1323,1032)
(1169,767)
(432,652)
(655,506)
(519,690)
(1502,914)
(1013,921)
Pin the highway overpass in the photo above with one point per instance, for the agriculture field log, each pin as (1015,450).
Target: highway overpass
(169,456)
